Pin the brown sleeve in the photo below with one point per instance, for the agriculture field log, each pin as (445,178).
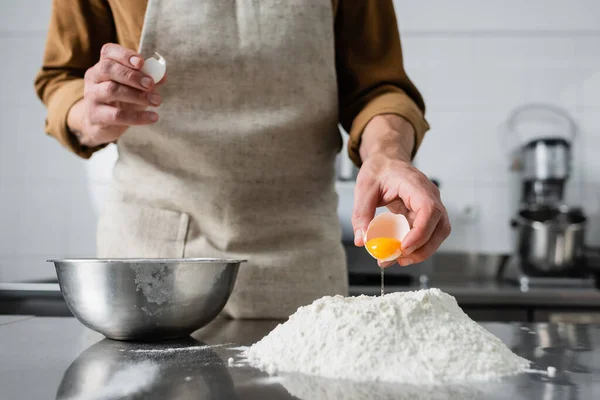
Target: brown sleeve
(371,76)
(78,29)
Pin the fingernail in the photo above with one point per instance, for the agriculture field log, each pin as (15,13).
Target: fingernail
(409,250)
(153,117)
(358,235)
(146,82)
(135,61)
(155,99)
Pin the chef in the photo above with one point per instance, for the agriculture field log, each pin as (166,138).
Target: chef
(232,154)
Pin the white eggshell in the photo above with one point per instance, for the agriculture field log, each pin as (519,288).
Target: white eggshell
(155,67)
(388,225)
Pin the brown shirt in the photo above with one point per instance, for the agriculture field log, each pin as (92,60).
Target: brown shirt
(370,72)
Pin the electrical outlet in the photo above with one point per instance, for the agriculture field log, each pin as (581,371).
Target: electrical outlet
(469,213)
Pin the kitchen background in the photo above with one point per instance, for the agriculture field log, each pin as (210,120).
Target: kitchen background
(474,61)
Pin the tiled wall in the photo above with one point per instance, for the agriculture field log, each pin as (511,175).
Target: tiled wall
(474,61)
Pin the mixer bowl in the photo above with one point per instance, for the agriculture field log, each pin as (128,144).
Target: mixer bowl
(550,240)
(146,299)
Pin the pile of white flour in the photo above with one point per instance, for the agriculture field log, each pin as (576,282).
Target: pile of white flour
(420,337)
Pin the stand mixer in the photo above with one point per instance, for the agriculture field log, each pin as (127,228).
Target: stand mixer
(546,169)
(542,138)
(549,245)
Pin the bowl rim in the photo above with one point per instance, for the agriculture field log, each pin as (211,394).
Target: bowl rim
(147,260)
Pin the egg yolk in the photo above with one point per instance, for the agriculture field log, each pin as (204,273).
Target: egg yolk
(382,248)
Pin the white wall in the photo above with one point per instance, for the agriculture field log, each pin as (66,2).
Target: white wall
(473,60)
(45,201)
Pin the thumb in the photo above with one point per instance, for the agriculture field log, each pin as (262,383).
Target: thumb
(365,204)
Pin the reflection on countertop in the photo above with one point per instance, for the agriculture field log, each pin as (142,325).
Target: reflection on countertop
(68,361)
(178,370)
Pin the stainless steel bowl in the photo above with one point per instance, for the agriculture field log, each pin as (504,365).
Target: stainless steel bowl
(146,299)
(550,240)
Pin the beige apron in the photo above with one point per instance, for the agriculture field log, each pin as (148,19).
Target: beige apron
(241,163)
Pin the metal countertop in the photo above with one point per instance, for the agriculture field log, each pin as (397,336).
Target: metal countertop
(9,319)
(468,292)
(57,358)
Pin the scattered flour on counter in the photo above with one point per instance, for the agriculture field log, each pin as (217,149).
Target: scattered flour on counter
(239,348)
(167,350)
(420,337)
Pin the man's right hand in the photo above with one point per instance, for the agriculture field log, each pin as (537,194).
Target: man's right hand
(116,96)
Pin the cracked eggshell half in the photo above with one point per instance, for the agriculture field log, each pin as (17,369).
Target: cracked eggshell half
(388,225)
(155,67)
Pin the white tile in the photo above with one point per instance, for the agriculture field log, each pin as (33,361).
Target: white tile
(50,161)
(461,203)
(496,87)
(497,74)
(420,78)
(508,15)
(539,52)
(575,192)
(561,87)
(588,51)
(415,52)
(591,163)
(8,129)
(491,147)
(591,206)
(497,206)
(441,154)
(25,268)
(481,74)
(591,198)
(450,52)
(9,140)
(589,154)
(589,124)
(578,151)
(593,234)
(21,60)
(42,219)
(24,16)
(590,88)
(584,168)
(8,218)
(448,89)
(442,93)
(28,153)
(515,70)
(467,146)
